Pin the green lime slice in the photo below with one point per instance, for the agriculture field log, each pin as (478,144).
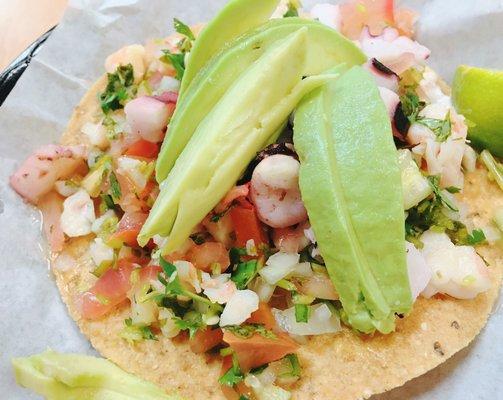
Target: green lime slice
(478,95)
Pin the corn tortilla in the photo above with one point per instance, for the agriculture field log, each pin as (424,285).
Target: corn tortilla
(344,366)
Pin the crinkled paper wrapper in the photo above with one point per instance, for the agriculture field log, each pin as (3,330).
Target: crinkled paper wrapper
(32,316)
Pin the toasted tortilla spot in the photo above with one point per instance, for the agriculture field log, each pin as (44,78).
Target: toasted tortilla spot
(344,366)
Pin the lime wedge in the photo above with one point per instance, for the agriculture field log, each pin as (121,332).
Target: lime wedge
(478,95)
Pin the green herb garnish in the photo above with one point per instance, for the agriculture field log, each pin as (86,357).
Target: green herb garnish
(135,333)
(115,188)
(119,89)
(301,313)
(434,181)
(412,106)
(244,273)
(177,60)
(477,236)
(246,331)
(293,6)
(233,375)
(191,321)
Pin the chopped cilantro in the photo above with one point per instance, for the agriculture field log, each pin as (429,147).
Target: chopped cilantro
(453,189)
(115,188)
(440,127)
(108,202)
(119,88)
(412,106)
(135,333)
(244,273)
(183,29)
(243,397)
(174,287)
(192,321)
(172,283)
(216,217)
(233,375)
(301,313)
(246,331)
(198,238)
(476,237)
(434,181)
(177,60)
(294,362)
(293,6)
(235,254)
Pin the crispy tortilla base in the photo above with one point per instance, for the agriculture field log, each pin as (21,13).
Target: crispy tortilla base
(344,366)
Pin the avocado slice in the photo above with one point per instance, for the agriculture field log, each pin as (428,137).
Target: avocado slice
(77,377)
(325,48)
(237,17)
(351,186)
(228,138)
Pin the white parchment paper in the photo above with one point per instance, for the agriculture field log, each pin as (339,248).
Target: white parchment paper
(32,316)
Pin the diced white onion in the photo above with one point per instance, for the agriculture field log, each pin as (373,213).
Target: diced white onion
(96,135)
(168,325)
(100,252)
(321,321)
(278,266)
(262,288)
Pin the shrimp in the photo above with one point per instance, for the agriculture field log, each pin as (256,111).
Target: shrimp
(275,191)
(48,164)
(291,239)
(396,52)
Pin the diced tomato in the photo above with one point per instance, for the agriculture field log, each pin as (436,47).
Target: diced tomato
(109,291)
(206,339)
(203,256)
(376,14)
(149,273)
(129,227)
(143,148)
(247,225)
(51,206)
(258,350)
(263,316)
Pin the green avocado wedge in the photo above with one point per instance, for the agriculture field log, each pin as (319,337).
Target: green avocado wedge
(351,186)
(241,124)
(325,49)
(77,377)
(237,17)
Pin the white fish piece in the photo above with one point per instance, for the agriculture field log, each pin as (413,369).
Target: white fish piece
(239,307)
(218,289)
(457,271)
(419,272)
(78,214)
